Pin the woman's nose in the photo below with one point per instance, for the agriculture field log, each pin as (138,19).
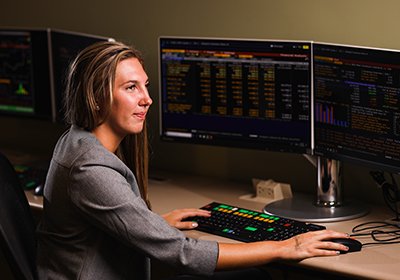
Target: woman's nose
(146,100)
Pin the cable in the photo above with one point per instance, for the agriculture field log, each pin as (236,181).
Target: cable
(390,191)
(395,195)
(380,232)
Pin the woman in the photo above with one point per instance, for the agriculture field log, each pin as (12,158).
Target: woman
(96,219)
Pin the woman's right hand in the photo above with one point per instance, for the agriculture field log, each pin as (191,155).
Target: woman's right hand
(312,244)
(306,245)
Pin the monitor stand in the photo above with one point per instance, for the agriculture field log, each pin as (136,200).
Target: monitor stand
(327,205)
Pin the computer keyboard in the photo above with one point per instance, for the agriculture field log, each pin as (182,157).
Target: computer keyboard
(248,225)
(30,177)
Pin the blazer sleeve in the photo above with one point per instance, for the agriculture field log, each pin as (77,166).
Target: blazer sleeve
(106,199)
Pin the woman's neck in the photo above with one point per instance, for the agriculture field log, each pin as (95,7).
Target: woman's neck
(107,137)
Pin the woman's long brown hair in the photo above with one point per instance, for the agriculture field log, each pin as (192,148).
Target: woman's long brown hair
(88,100)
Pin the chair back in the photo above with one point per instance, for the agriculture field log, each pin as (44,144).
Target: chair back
(17,225)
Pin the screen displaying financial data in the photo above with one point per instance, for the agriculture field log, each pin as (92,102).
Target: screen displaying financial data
(33,69)
(24,73)
(357,104)
(236,92)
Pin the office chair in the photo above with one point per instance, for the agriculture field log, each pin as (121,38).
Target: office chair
(17,226)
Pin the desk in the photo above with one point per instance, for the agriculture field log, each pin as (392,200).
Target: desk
(36,202)
(172,192)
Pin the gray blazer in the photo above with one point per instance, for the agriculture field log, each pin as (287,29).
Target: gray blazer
(95,225)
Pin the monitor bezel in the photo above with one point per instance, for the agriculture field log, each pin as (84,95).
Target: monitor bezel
(228,143)
(57,98)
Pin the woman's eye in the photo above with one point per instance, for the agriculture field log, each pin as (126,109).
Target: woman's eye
(132,87)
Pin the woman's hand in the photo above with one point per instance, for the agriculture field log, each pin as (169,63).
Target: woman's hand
(175,217)
(312,244)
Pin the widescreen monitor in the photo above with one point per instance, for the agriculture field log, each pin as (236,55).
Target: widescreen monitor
(25,83)
(357,105)
(236,92)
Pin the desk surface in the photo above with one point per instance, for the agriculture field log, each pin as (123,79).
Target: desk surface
(172,192)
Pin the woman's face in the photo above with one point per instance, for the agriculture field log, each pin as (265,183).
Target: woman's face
(131,99)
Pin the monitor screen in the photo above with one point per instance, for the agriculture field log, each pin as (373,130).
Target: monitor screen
(236,92)
(65,46)
(24,73)
(357,104)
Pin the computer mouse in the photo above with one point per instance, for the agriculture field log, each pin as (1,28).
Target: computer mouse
(39,189)
(353,244)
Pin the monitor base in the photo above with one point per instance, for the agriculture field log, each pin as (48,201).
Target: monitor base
(301,208)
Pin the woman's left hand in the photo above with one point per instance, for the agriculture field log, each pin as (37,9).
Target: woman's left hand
(175,217)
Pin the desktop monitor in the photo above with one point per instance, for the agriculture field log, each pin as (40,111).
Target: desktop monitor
(236,92)
(357,105)
(25,87)
(65,45)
